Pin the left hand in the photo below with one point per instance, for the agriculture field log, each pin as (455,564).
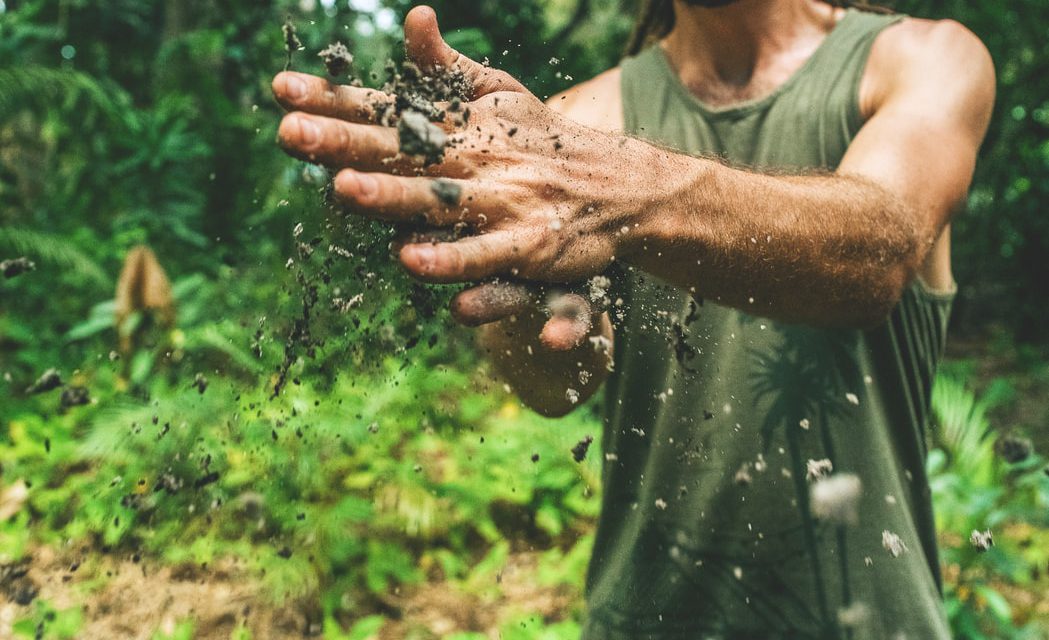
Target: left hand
(549,200)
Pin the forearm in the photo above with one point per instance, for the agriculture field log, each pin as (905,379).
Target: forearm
(550,382)
(829,250)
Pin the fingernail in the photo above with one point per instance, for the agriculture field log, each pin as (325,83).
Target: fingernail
(367,187)
(309,133)
(294,88)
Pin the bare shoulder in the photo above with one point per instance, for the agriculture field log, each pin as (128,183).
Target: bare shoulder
(595,103)
(929,58)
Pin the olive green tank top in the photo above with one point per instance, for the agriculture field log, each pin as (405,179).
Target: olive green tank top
(718,424)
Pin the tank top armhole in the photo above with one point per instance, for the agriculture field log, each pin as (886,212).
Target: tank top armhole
(863,51)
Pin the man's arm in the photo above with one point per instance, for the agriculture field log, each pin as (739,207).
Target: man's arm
(832,250)
(555,201)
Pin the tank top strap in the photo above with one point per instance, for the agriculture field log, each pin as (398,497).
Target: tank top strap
(650,87)
(838,71)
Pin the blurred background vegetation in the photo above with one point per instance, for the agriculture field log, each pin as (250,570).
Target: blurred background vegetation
(390,483)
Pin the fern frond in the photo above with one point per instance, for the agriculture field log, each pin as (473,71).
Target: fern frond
(54,250)
(41,89)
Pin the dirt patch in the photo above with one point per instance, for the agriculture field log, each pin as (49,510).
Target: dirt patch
(133,600)
(437,610)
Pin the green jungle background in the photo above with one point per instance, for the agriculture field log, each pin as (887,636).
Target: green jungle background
(392,490)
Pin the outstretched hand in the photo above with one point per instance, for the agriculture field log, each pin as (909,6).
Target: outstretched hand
(548,200)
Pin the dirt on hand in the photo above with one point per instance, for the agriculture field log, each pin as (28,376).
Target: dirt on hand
(420,138)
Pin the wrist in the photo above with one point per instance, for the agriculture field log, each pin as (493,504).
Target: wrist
(664,201)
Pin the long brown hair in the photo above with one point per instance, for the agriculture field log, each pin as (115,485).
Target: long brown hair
(655,19)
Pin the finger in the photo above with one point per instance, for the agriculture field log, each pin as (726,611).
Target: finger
(472,258)
(441,201)
(491,302)
(304,92)
(571,319)
(427,49)
(337,143)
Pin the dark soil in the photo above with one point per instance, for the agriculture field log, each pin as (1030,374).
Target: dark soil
(291,41)
(581,448)
(74,396)
(337,59)
(448,192)
(1013,449)
(420,138)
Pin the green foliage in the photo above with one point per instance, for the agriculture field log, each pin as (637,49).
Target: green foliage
(974,490)
(48,623)
(142,121)
(1003,237)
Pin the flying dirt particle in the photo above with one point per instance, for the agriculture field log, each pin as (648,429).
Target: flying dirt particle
(535,457)
(599,286)
(853,615)
(581,448)
(337,59)
(816,469)
(982,540)
(836,498)
(420,138)
(200,383)
(1013,449)
(74,396)
(206,479)
(893,544)
(448,192)
(291,41)
(16,267)
(49,380)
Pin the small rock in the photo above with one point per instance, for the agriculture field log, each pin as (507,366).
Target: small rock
(982,540)
(581,448)
(16,267)
(49,380)
(816,469)
(893,544)
(337,59)
(421,138)
(447,191)
(74,396)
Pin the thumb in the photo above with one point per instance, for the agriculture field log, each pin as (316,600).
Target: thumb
(427,49)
